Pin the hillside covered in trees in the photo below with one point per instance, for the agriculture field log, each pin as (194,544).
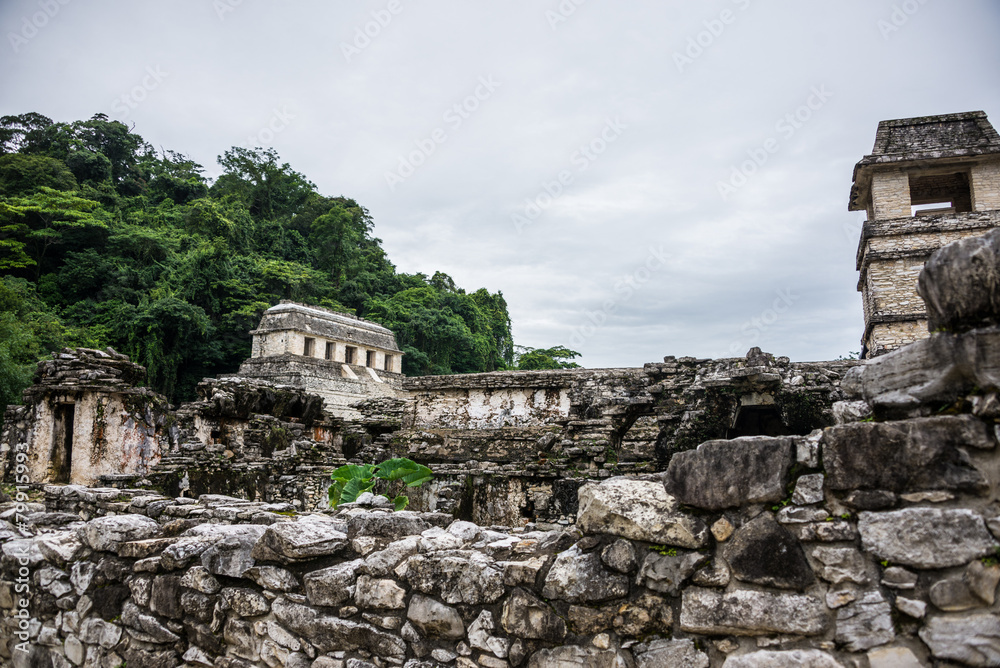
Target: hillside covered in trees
(106,241)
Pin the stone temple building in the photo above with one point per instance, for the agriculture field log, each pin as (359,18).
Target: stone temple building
(339,357)
(927,182)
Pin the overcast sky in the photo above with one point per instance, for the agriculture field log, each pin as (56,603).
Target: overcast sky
(639,178)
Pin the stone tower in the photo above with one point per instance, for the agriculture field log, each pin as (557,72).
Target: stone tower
(927,182)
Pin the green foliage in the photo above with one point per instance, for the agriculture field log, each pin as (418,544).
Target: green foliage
(664,550)
(120,244)
(534,359)
(350,481)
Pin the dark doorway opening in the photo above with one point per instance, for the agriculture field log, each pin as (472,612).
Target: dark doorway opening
(757,421)
(62,443)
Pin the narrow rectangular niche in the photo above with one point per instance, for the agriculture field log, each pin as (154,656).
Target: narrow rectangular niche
(350,352)
(309,347)
(370,359)
(330,348)
(932,194)
(388,363)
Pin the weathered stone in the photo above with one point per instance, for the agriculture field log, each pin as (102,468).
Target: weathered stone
(763,552)
(328,633)
(435,619)
(870,499)
(290,542)
(194,541)
(620,556)
(526,572)
(199,579)
(150,628)
(572,655)
(722,474)
(164,596)
(526,616)
(638,510)
(808,489)
(972,639)
(937,369)
(332,586)
(716,574)
(914,455)
(230,554)
(896,577)
(481,636)
(925,537)
(244,602)
(379,564)
(960,284)
(911,607)
(197,605)
(644,615)
(744,612)
(143,549)
(845,412)
(60,548)
(666,573)
(380,594)
(457,576)
(673,653)
(722,529)
(386,525)
(579,577)
(841,564)
(839,598)
(865,623)
(953,595)
(272,577)
(106,534)
(893,657)
(982,580)
(799,658)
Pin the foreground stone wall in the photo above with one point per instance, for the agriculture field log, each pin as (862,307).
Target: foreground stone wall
(872,543)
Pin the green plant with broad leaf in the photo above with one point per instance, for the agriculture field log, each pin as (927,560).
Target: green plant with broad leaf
(352,480)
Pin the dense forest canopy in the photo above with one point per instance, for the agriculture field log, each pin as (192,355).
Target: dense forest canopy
(106,241)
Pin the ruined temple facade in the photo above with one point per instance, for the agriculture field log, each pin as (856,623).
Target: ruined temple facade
(339,357)
(927,182)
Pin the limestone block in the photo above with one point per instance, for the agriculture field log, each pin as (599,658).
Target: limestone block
(379,593)
(953,595)
(865,623)
(328,633)
(638,510)
(808,489)
(196,540)
(912,607)
(665,573)
(925,537)
(244,602)
(893,657)
(272,577)
(149,628)
(723,474)
(841,564)
(620,556)
(457,576)
(971,639)
(982,580)
(573,655)
(290,542)
(230,554)
(913,455)
(435,619)
(199,579)
(106,534)
(763,552)
(799,658)
(743,612)
(384,561)
(674,653)
(960,284)
(331,586)
(579,577)
(526,616)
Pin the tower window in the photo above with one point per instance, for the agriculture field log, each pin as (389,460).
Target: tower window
(309,347)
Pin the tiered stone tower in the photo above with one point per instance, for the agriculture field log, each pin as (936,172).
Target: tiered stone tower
(927,182)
